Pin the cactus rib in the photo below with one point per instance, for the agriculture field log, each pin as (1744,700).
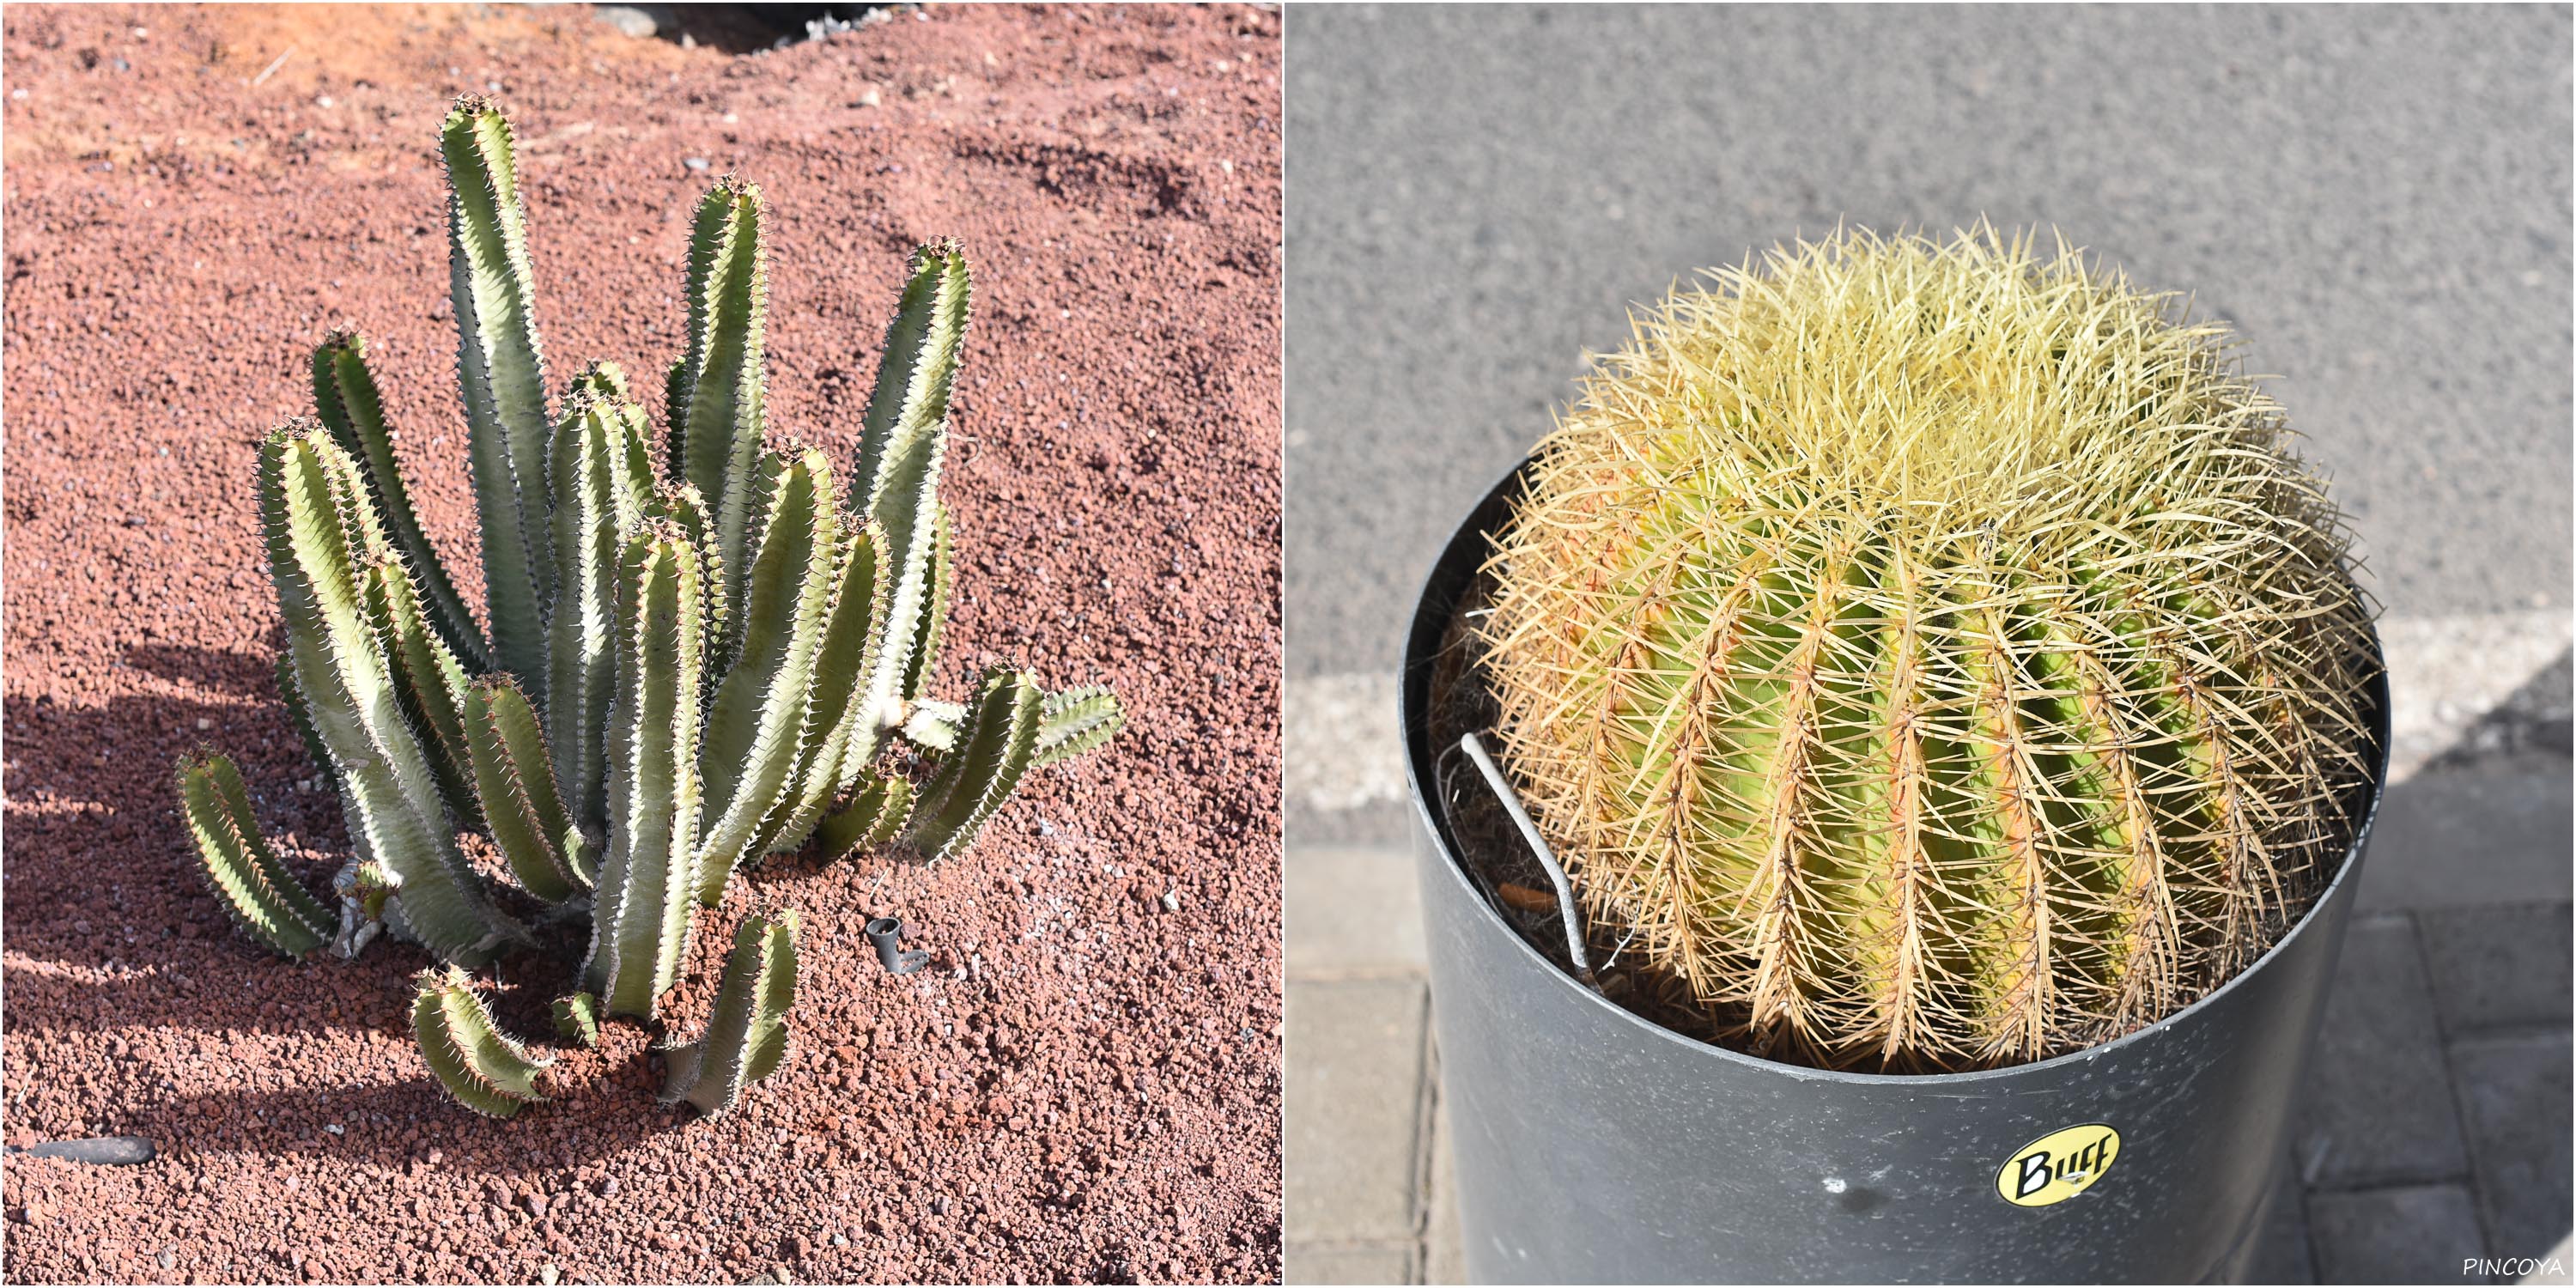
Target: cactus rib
(756,725)
(516,783)
(600,475)
(716,412)
(261,896)
(747,1036)
(901,444)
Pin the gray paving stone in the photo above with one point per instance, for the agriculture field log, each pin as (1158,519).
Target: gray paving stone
(1372,1264)
(1353,909)
(2515,1093)
(2379,1110)
(1357,1053)
(2494,833)
(1444,1256)
(2498,967)
(2281,1248)
(2412,1234)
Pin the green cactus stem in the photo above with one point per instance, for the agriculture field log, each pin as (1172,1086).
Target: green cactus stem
(995,747)
(747,1037)
(1932,653)
(502,373)
(1074,721)
(430,681)
(601,478)
(346,400)
(834,733)
(482,1067)
(643,914)
(1070,722)
(874,816)
(716,393)
(931,623)
(756,725)
(901,445)
(577,1019)
(264,899)
(523,813)
(313,507)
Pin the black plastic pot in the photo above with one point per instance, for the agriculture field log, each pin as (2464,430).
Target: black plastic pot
(1595,1146)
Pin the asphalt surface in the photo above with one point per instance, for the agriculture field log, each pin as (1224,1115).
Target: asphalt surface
(2377,199)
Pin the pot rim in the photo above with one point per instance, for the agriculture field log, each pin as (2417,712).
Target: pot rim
(1414,731)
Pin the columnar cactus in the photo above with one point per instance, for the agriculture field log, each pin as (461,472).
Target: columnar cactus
(695,657)
(1932,652)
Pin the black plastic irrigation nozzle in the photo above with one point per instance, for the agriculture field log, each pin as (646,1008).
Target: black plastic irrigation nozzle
(886,933)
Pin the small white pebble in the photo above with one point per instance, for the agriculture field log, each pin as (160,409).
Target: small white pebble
(204,724)
(1171,901)
(335,1129)
(1835,1185)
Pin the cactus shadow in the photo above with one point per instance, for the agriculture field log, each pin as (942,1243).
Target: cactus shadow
(400,1124)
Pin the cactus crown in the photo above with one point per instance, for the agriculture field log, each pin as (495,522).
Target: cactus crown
(1932,651)
(687,668)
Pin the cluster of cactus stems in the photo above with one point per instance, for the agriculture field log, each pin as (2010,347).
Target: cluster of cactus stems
(1932,653)
(690,664)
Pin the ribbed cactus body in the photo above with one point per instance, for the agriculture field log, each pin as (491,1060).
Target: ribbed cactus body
(321,537)
(747,1036)
(501,372)
(696,655)
(1932,652)
(640,925)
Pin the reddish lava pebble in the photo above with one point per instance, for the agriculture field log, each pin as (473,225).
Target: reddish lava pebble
(185,220)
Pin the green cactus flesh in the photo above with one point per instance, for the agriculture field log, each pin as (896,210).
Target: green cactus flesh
(485,1069)
(1932,652)
(265,900)
(319,524)
(994,749)
(747,1036)
(756,723)
(640,924)
(875,815)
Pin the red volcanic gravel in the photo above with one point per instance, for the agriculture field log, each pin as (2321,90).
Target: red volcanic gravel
(1085,1084)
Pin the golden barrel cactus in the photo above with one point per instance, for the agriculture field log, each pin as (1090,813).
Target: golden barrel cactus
(1931,653)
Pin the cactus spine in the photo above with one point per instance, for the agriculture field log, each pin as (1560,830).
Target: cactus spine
(747,1036)
(687,666)
(1933,652)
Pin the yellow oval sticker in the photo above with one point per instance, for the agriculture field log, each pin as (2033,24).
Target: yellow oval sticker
(2058,1166)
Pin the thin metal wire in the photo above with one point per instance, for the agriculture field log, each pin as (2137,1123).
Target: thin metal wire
(1574,945)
